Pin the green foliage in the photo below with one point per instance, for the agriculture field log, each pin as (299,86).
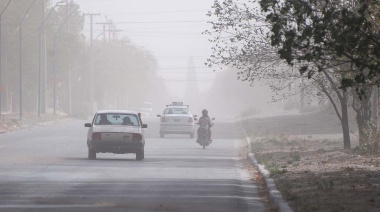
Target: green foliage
(324,34)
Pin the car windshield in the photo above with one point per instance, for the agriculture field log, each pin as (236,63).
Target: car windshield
(116,119)
(177,111)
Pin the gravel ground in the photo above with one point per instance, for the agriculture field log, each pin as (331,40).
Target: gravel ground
(304,154)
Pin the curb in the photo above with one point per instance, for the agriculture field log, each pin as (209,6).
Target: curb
(274,194)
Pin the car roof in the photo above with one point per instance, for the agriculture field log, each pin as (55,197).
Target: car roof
(116,111)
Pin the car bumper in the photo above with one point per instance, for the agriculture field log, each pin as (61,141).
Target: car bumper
(177,129)
(117,147)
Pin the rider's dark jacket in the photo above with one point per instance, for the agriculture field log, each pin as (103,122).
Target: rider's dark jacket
(204,122)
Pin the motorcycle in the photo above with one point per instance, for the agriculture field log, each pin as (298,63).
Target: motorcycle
(204,135)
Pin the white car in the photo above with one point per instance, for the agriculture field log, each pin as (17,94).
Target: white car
(116,131)
(146,109)
(177,119)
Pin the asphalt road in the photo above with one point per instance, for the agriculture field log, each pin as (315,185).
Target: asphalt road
(46,169)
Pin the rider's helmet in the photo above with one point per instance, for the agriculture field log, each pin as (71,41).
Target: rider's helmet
(204,112)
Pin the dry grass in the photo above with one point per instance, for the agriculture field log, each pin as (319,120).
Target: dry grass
(304,154)
(317,175)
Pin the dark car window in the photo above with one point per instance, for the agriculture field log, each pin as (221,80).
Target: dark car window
(116,119)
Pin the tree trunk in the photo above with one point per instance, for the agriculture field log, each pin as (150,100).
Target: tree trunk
(344,122)
(375,103)
(363,118)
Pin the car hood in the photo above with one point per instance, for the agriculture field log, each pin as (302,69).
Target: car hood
(125,129)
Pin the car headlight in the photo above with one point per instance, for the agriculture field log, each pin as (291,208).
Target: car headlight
(136,137)
(96,136)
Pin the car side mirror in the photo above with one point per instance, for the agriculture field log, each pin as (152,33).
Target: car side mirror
(195,119)
(144,126)
(159,115)
(88,125)
(195,116)
(213,119)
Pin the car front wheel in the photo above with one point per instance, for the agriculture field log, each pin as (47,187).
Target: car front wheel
(91,154)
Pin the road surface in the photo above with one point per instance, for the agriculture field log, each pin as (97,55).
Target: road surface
(46,169)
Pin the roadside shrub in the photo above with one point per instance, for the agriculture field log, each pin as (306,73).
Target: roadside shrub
(274,140)
(263,159)
(320,151)
(324,184)
(295,156)
(274,169)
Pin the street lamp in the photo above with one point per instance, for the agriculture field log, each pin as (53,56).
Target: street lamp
(20,27)
(1,85)
(39,56)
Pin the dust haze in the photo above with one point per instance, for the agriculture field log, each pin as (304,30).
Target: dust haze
(81,56)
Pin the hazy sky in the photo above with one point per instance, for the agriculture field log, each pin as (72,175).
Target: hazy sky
(170,29)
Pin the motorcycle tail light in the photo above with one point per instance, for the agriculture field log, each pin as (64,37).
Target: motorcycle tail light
(96,136)
(137,137)
(163,119)
(190,120)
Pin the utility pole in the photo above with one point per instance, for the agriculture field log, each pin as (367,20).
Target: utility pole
(104,30)
(1,85)
(92,84)
(111,31)
(113,41)
(42,61)
(55,61)
(114,33)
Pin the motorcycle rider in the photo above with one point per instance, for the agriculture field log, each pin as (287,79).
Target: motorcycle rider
(204,122)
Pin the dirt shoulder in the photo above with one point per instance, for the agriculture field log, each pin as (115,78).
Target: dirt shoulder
(12,122)
(310,167)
